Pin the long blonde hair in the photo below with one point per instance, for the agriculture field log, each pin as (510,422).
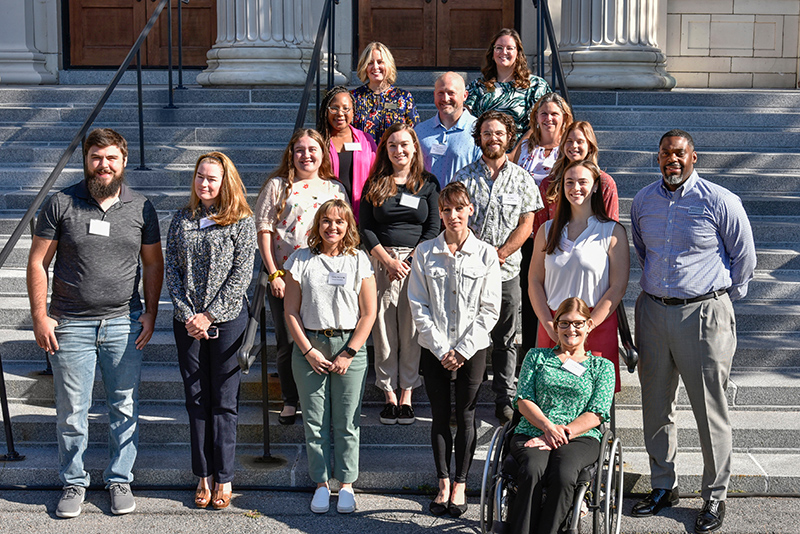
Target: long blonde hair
(231,203)
(351,239)
(380,184)
(550,98)
(287,172)
(388,60)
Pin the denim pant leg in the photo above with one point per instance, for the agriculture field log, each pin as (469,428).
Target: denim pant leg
(73,378)
(504,352)
(120,363)
(347,391)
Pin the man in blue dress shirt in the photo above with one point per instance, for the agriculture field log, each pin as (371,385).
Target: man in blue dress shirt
(695,245)
(446,138)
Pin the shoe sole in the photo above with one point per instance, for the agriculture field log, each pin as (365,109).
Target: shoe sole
(668,505)
(388,421)
(406,421)
(320,510)
(69,515)
(348,510)
(124,510)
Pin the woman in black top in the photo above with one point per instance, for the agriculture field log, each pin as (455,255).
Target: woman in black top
(399,209)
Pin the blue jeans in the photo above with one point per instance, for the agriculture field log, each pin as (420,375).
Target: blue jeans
(83,345)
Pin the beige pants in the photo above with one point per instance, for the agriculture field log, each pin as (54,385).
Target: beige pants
(394,335)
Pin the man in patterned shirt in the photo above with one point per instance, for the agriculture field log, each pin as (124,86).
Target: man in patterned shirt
(505,198)
(695,245)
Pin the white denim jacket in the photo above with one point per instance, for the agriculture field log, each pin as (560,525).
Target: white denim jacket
(455,299)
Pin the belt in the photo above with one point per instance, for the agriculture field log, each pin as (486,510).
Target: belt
(330,332)
(669,301)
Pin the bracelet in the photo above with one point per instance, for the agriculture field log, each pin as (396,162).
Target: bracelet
(276,274)
(309,350)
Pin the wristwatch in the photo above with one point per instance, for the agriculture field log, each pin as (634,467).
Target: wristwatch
(350,351)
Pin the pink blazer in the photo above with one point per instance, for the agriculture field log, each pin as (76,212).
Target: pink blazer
(362,162)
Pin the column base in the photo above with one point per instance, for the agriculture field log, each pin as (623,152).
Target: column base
(24,68)
(616,68)
(252,65)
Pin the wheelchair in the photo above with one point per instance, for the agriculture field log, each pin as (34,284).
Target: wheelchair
(599,487)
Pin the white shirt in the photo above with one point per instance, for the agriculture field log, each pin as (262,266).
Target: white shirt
(579,268)
(535,162)
(455,299)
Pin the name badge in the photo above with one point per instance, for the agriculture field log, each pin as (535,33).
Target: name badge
(99,227)
(511,199)
(409,201)
(205,222)
(571,366)
(566,245)
(337,279)
(696,211)
(390,105)
(352,147)
(438,149)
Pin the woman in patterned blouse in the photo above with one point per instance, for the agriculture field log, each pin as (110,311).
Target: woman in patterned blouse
(284,213)
(507,84)
(378,103)
(564,393)
(215,229)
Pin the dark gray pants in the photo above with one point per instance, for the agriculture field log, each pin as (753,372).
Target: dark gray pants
(504,351)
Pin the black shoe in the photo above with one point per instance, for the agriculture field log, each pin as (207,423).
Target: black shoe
(504,413)
(405,415)
(710,517)
(457,510)
(389,414)
(438,508)
(655,502)
(287,419)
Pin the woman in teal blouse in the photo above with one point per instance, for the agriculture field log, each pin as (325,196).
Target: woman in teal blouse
(563,394)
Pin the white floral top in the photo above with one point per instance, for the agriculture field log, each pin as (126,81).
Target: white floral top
(290,232)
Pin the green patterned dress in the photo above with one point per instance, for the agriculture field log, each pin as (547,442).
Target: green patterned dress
(507,98)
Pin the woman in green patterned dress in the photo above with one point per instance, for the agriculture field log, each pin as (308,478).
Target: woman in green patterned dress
(563,394)
(506,84)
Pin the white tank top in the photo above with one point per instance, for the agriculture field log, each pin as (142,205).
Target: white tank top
(535,161)
(579,268)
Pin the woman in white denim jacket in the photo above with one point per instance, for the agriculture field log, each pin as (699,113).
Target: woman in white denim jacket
(454,294)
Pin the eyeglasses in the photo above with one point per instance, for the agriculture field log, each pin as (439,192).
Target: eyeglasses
(501,49)
(336,111)
(496,133)
(563,325)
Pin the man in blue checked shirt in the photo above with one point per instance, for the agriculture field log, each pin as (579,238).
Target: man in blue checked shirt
(696,249)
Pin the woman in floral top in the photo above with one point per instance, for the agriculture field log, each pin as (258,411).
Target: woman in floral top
(564,393)
(285,212)
(507,84)
(378,103)
(215,229)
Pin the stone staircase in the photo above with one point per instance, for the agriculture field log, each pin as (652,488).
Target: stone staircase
(747,141)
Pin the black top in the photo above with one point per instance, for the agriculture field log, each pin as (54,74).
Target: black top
(395,225)
(346,171)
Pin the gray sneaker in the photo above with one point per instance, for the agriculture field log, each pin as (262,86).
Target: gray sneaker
(69,505)
(121,498)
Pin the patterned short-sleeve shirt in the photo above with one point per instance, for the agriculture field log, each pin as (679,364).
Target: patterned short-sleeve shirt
(507,98)
(561,395)
(374,113)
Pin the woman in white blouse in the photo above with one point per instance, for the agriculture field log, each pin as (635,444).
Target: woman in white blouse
(580,253)
(454,293)
(330,307)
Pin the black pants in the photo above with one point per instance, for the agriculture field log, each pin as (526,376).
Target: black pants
(557,470)
(437,385)
(211,379)
(284,344)
(530,323)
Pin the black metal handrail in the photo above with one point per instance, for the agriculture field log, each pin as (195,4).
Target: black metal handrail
(62,162)
(544,26)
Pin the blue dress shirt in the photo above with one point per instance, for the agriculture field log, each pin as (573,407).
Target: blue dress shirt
(461,148)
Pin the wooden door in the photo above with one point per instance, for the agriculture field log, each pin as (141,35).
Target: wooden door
(434,33)
(101,32)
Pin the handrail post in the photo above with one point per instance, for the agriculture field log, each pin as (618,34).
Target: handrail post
(330,43)
(171,104)
(142,166)
(312,68)
(12,455)
(180,43)
(265,385)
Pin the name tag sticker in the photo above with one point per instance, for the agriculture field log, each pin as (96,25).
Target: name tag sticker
(696,210)
(511,199)
(567,245)
(205,222)
(409,201)
(438,149)
(390,105)
(352,147)
(571,366)
(337,279)
(99,227)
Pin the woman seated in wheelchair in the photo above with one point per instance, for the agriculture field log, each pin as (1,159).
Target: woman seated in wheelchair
(563,395)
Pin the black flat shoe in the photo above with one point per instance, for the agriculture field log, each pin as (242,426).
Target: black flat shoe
(457,510)
(655,502)
(438,508)
(710,517)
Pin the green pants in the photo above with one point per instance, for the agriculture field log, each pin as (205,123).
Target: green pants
(331,400)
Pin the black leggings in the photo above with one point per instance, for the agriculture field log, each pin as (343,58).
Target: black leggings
(437,385)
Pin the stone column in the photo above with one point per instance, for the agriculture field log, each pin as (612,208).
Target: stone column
(611,44)
(20,61)
(263,42)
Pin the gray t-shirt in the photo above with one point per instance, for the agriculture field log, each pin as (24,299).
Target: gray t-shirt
(330,287)
(96,276)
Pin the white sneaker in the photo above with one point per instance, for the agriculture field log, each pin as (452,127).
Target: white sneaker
(321,501)
(347,501)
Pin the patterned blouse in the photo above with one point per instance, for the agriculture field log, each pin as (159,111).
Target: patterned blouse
(209,267)
(291,232)
(507,98)
(374,113)
(561,395)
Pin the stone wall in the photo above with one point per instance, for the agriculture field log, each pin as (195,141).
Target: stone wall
(733,43)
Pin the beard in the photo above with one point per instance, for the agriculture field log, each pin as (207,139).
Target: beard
(492,152)
(100,190)
(674,179)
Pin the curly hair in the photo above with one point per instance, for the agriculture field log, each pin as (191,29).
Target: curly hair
(380,184)
(550,98)
(522,74)
(494,115)
(557,172)
(231,203)
(323,125)
(351,239)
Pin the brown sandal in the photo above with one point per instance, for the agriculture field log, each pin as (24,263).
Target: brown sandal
(202,496)
(221,498)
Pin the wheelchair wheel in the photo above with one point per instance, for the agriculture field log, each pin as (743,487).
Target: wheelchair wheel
(608,488)
(491,467)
